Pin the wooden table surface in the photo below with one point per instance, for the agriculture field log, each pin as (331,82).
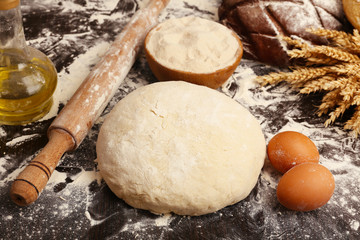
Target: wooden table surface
(77,204)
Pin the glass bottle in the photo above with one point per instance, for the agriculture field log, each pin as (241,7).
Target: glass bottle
(27,77)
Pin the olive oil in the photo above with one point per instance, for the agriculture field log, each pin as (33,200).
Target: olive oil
(26,86)
(27,77)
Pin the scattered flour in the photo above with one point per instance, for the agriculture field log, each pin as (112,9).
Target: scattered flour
(9,178)
(210,8)
(104,5)
(20,139)
(84,178)
(56,177)
(8,217)
(355,225)
(2,132)
(92,221)
(3,161)
(163,220)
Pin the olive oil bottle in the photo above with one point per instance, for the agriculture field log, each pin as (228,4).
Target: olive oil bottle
(27,77)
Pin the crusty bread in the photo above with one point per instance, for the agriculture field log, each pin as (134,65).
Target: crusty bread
(260,22)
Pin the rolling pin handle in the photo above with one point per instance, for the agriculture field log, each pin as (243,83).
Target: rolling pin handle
(27,187)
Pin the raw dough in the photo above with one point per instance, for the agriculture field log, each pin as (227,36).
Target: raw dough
(179,147)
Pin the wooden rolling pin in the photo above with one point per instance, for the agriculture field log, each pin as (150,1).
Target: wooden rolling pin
(72,124)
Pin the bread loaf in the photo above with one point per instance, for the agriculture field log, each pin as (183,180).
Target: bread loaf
(352,12)
(260,22)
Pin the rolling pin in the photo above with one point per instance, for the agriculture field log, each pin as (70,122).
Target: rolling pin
(74,121)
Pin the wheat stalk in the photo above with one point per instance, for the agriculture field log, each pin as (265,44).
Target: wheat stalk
(333,69)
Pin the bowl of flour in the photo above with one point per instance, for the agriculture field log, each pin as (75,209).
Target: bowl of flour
(193,49)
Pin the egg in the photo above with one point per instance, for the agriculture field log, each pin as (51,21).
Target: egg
(306,187)
(288,149)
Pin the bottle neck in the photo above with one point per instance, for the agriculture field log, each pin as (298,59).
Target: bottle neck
(11,29)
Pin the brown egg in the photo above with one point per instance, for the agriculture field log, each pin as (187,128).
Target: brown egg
(210,79)
(352,12)
(306,187)
(288,149)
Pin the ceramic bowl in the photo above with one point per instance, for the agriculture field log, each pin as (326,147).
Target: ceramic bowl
(212,79)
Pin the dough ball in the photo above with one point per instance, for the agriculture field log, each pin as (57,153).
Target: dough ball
(179,147)
(260,22)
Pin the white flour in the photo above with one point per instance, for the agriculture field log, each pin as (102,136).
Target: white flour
(161,221)
(193,44)
(2,132)
(9,178)
(355,225)
(209,9)
(84,178)
(2,164)
(20,139)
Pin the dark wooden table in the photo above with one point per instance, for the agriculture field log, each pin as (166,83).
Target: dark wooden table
(77,204)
